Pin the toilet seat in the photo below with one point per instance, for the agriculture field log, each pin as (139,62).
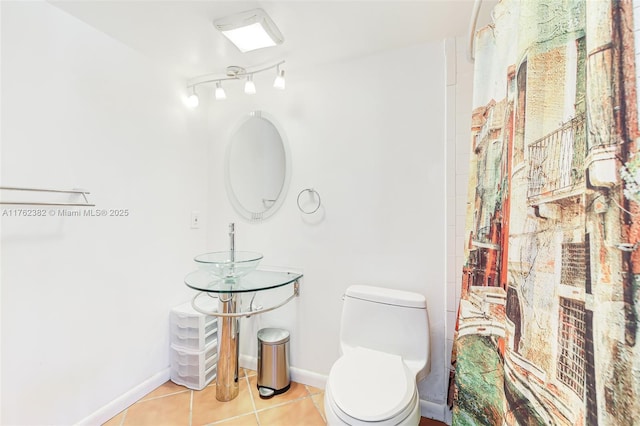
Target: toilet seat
(371,386)
(410,416)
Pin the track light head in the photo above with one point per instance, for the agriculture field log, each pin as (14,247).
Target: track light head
(192,100)
(279,82)
(220,93)
(250,86)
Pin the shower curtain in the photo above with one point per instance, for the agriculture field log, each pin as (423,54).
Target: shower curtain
(547,329)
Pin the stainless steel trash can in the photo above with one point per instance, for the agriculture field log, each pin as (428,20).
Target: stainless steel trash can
(273,362)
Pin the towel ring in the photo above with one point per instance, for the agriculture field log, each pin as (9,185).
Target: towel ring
(311,191)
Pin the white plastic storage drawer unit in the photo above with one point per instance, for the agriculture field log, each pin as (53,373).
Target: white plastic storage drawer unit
(192,330)
(194,370)
(194,346)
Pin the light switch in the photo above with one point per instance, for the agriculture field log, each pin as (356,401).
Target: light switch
(195,219)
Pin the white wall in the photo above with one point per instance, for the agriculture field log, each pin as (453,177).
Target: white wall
(368,135)
(85,299)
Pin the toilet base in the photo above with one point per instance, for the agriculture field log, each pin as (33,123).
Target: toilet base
(412,419)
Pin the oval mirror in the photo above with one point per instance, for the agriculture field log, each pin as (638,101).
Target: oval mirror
(257,167)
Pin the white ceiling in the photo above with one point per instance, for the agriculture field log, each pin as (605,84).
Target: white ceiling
(181,36)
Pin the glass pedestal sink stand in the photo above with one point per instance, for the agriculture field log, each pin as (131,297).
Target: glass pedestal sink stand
(229,294)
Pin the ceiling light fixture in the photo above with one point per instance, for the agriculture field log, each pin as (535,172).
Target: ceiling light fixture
(192,100)
(250,30)
(235,73)
(279,82)
(220,93)
(249,86)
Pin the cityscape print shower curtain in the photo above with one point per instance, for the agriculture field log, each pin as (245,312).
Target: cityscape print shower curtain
(547,330)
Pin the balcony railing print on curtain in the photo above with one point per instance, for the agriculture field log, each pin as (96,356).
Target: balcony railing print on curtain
(556,161)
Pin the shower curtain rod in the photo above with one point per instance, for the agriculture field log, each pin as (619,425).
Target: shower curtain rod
(472,29)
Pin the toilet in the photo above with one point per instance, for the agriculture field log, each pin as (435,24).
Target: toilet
(384,347)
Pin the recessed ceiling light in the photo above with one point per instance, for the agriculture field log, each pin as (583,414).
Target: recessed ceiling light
(250,30)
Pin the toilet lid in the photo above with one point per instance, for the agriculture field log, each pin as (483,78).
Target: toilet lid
(371,385)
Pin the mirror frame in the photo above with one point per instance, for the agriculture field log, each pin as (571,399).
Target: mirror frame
(256,217)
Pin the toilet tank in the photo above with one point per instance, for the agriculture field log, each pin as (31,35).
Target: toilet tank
(387,320)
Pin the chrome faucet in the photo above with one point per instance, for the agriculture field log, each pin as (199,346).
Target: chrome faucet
(232,242)
(232,250)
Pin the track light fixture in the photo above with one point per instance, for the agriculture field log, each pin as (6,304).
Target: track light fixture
(234,73)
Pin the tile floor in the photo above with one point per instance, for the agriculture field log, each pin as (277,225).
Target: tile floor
(174,405)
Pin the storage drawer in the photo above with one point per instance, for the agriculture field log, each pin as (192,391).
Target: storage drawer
(192,330)
(198,382)
(194,369)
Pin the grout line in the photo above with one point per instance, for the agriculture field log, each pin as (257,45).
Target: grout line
(191,409)
(318,408)
(246,378)
(284,403)
(319,391)
(256,411)
(253,402)
(124,416)
(163,396)
(226,419)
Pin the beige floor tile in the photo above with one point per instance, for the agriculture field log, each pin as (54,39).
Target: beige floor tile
(172,410)
(248,420)
(296,391)
(169,405)
(249,373)
(207,409)
(166,388)
(299,413)
(313,390)
(318,400)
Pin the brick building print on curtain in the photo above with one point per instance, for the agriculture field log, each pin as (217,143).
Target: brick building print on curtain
(548,322)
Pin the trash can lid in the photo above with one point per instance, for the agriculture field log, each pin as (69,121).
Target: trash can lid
(273,336)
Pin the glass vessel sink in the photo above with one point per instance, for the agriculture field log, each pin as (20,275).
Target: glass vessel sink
(227,264)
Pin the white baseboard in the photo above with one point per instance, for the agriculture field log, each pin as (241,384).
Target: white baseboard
(298,375)
(130,397)
(246,361)
(308,378)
